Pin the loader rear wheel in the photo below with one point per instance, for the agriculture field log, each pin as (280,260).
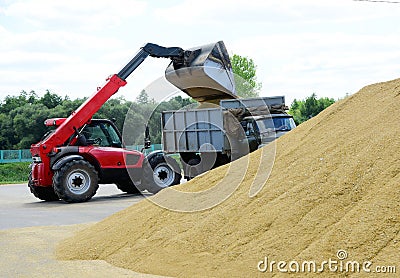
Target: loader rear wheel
(41,192)
(76,181)
(159,173)
(127,186)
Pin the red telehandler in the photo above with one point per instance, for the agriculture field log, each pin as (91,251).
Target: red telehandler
(70,161)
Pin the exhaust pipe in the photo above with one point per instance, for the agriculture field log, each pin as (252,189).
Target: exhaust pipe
(205,74)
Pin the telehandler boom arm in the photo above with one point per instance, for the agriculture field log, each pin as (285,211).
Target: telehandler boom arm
(85,112)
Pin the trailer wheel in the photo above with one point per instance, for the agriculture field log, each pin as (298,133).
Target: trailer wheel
(127,187)
(160,172)
(76,181)
(41,192)
(193,170)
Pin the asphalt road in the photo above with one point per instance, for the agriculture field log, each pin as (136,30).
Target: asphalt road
(19,208)
(30,230)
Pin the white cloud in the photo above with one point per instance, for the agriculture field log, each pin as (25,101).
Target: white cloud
(329,64)
(328,47)
(88,15)
(18,57)
(211,12)
(56,41)
(62,45)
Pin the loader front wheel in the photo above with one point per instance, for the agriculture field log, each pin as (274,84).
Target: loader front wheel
(76,181)
(159,173)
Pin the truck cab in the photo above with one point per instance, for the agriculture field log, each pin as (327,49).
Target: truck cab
(261,130)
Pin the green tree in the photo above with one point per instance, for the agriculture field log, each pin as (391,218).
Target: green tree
(246,83)
(7,136)
(50,100)
(302,110)
(27,124)
(114,109)
(12,102)
(143,98)
(183,102)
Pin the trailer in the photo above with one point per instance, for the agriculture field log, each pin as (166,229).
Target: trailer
(207,138)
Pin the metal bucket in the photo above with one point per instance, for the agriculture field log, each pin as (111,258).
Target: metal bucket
(206,73)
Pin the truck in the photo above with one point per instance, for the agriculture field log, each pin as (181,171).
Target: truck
(79,153)
(210,137)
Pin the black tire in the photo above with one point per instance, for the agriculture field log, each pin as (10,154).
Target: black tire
(41,192)
(76,181)
(159,173)
(127,186)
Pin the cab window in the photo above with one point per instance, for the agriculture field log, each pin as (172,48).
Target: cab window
(101,134)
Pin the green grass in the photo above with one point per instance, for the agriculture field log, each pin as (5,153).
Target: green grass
(14,172)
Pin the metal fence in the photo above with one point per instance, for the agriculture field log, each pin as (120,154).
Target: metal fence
(8,156)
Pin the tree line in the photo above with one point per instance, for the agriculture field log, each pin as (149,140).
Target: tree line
(302,110)
(22,117)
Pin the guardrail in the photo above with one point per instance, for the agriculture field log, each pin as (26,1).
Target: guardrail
(9,156)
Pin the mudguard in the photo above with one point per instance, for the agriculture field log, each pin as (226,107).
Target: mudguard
(61,162)
(154,154)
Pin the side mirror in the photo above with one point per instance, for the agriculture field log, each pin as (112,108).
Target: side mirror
(147,141)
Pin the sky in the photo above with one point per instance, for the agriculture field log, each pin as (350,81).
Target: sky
(331,48)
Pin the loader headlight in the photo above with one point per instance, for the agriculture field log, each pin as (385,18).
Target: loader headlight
(36,159)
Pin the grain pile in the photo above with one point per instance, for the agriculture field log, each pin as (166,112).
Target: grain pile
(335,186)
